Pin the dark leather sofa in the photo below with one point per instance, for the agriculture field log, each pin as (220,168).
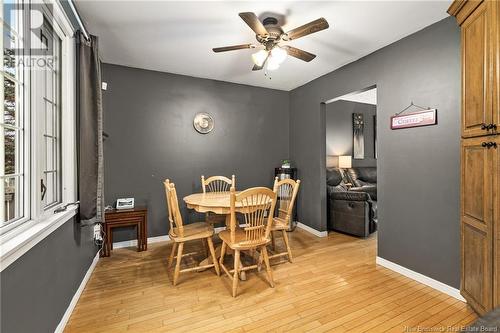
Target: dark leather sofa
(364,180)
(351,211)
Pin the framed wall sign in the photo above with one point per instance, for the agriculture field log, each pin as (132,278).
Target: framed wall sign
(414,119)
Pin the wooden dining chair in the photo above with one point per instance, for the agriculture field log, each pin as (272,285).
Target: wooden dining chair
(286,192)
(256,206)
(181,233)
(216,184)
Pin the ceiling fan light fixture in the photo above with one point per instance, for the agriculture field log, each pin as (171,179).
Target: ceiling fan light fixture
(278,54)
(259,57)
(272,63)
(269,34)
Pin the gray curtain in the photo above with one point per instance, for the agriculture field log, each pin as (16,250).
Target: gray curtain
(90,131)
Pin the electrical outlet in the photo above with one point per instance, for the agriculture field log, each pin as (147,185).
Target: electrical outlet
(97,232)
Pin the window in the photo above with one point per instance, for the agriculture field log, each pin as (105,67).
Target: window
(38,160)
(46,88)
(13,185)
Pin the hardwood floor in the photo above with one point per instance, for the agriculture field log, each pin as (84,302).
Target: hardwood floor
(333,285)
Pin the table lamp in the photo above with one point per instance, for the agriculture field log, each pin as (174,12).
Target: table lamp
(345,162)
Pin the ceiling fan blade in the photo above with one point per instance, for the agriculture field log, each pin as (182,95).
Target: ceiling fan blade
(307,29)
(298,53)
(233,47)
(253,22)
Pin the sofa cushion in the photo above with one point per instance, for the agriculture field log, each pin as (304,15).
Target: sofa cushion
(350,195)
(363,176)
(333,176)
(370,189)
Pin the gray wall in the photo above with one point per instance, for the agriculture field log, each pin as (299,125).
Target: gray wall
(149,118)
(38,287)
(339,130)
(418,169)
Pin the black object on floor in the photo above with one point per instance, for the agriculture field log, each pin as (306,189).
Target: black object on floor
(490,322)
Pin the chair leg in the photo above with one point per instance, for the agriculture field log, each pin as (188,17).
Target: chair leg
(268,267)
(259,262)
(214,257)
(172,254)
(222,253)
(273,241)
(205,247)
(178,264)
(235,273)
(285,238)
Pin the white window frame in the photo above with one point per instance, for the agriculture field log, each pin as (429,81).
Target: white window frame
(18,238)
(38,210)
(26,127)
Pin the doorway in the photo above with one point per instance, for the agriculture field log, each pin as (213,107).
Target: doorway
(351,163)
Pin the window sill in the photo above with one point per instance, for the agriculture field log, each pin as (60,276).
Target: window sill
(12,248)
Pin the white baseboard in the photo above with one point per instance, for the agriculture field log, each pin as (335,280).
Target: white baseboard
(133,242)
(76,296)
(311,230)
(164,238)
(440,286)
(299,225)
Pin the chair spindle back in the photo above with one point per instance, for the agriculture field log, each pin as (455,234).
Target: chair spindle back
(174,214)
(286,192)
(256,205)
(217,184)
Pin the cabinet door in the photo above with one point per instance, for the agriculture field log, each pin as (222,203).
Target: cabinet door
(477,71)
(478,182)
(496,225)
(495,14)
(496,161)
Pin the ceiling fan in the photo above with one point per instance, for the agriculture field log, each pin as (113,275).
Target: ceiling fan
(269,35)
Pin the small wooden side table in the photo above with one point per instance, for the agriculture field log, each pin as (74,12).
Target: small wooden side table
(117,218)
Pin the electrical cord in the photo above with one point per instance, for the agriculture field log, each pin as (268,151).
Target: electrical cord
(65,207)
(99,235)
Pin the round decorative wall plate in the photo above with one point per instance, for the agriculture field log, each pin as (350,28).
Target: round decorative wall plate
(203,123)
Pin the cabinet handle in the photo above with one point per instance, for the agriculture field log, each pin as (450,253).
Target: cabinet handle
(489,144)
(487,127)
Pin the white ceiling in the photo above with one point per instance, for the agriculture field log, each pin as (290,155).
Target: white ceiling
(368,97)
(178,36)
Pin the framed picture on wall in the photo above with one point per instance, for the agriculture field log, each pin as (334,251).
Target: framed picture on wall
(358,126)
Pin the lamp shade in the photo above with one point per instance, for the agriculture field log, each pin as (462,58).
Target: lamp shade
(345,162)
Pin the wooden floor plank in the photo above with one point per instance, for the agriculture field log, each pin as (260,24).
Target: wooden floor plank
(333,285)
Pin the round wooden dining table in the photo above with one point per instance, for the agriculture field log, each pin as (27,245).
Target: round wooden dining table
(217,203)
